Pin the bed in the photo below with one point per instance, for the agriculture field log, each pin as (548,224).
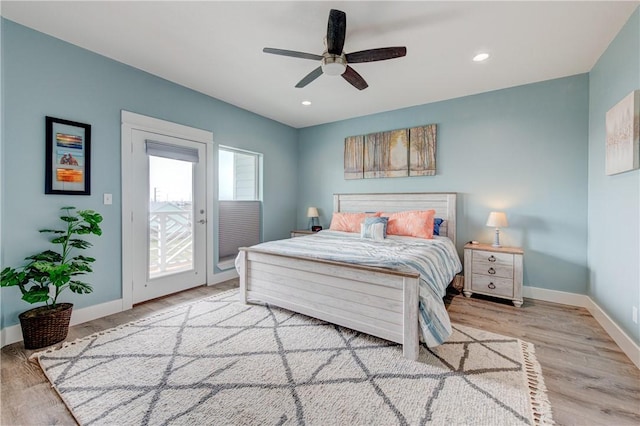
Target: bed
(375,300)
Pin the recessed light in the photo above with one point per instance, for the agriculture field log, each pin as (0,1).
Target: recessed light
(306,103)
(481,57)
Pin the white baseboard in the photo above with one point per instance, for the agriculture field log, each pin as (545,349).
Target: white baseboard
(13,333)
(224,276)
(622,339)
(628,346)
(555,296)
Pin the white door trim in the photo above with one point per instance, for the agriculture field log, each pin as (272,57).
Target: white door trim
(129,122)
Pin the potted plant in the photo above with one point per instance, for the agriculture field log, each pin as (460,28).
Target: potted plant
(47,274)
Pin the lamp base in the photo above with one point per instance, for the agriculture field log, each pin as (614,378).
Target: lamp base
(496,239)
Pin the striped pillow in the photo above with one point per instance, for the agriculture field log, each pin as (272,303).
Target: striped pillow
(374,228)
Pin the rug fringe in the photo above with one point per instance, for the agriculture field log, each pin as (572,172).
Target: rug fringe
(34,357)
(540,405)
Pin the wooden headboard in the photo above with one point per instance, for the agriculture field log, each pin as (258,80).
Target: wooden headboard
(444,203)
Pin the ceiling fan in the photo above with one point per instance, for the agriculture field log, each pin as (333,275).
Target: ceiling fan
(334,60)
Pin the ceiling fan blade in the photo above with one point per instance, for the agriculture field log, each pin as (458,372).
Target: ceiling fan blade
(336,29)
(310,77)
(292,53)
(373,55)
(354,78)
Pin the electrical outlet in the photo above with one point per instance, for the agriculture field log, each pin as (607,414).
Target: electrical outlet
(635,314)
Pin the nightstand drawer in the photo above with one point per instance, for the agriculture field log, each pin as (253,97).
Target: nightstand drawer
(492,285)
(493,258)
(493,269)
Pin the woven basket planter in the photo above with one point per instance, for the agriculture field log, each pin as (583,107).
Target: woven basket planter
(44,326)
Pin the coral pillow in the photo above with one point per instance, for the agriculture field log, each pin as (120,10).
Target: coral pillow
(414,223)
(349,222)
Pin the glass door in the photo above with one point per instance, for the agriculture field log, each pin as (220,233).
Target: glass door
(169,217)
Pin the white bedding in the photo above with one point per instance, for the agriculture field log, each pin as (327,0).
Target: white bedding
(435,260)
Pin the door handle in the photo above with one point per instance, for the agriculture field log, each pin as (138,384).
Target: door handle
(203,221)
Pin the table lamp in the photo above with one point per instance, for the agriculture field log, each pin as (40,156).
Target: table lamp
(312,214)
(497,220)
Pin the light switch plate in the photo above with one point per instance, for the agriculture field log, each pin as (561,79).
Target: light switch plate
(108,199)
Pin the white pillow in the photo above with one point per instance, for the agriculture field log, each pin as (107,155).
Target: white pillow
(374,231)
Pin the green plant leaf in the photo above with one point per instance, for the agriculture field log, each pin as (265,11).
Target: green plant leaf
(79,244)
(84,258)
(36,295)
(77,268)
(69,218)
(53,231)
(11,277)
(46,256)
(80,287)
(90,216)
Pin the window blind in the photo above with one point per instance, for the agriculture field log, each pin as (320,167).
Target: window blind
(175,152)
(239,226)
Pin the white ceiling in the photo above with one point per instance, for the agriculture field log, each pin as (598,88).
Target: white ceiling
(216,47)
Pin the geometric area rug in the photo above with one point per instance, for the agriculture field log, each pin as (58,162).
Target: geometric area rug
(219,362)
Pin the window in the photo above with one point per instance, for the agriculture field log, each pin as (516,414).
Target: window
(239,173)
(239,205)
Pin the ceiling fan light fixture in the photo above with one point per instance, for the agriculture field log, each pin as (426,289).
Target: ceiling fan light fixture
(334,64)
(334,61)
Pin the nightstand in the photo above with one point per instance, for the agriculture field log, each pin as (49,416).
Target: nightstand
(493,271)
(301,233)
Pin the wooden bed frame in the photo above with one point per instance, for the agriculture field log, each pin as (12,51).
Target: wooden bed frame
(376,301)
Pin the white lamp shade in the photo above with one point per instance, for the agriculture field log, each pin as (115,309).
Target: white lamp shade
(497,220)
(312,212)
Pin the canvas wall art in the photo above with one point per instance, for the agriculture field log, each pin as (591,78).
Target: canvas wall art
(422,151)
(623,135)
(354,157)
(394,153)
(386,154)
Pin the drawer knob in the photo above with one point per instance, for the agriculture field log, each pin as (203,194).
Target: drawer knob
(491,286)
(492,258)
(491,271)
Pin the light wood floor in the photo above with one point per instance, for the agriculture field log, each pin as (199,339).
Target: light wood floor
(589,380)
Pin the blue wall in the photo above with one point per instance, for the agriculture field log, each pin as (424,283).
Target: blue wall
(49,77)
(522,150)
(535,151)
(614,201)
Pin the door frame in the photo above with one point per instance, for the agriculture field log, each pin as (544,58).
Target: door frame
(131,121)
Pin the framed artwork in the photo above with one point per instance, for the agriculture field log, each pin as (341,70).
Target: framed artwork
(623,135)
(385,154)
(68,157)
(353,157)
(422,151)
(394,153)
